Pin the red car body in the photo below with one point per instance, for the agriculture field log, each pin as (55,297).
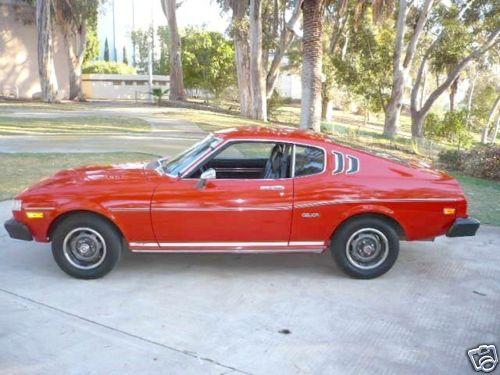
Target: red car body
(156,212)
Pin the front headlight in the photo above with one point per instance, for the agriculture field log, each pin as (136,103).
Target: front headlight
(17,205)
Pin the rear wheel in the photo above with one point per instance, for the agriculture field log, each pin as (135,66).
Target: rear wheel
(86,246)
(365,247)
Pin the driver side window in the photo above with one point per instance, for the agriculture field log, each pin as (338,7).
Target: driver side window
(250,160)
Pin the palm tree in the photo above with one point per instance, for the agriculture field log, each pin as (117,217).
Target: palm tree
(312,52)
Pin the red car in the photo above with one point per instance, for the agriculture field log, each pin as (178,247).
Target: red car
(245,190)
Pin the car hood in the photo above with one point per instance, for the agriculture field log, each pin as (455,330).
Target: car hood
(82,176)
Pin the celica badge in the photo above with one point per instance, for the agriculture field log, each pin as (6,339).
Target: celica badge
(310,215)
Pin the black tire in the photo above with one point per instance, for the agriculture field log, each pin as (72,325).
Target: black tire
(93,235)
(373,247)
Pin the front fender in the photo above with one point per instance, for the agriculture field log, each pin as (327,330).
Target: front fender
(42,227)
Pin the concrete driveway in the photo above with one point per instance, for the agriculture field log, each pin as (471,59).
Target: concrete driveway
(262,314)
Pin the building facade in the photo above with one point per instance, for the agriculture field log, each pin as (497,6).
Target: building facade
(18,53)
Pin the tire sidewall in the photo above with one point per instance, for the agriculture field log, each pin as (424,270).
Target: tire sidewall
(343,234)
(111,238)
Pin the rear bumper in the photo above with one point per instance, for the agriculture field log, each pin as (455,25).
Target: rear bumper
(17,230)
(463,227)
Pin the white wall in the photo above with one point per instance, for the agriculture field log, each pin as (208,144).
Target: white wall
(289,86)
(120,86)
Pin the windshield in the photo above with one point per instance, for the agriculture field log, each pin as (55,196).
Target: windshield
(179,163)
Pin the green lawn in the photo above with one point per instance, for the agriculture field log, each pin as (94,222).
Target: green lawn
(210,121)
(483,197)
(12,105)
(21,170)
(72,125)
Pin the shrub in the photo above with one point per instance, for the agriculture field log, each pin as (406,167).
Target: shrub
(481,161)
(452,128)
(107,67)
(159,93)
(452,159)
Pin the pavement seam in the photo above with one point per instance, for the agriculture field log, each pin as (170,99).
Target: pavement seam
(182,351)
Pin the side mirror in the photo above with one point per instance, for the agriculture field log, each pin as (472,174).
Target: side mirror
(209,174)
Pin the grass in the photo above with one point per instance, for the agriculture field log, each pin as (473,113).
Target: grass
(483,198)
(23,169)
(210,121)
(13,105)
(72,125)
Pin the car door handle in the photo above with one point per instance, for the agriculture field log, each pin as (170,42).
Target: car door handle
(272,187)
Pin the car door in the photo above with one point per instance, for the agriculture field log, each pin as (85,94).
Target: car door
(238,213)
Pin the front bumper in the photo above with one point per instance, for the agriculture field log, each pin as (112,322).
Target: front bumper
(463,227)
(17,230)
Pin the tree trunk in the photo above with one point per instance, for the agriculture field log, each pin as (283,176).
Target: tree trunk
(312,50)
(491,117)
(417,126)
(393,110)
(46,70)
(242,49)
(424,84)
(75,83)
(395,104)
(495,132)
(401,66)
(259,102)
(326,109)
(76,42)
(471,92)
(286,40)
(453,93)
(471,95)
(177,91)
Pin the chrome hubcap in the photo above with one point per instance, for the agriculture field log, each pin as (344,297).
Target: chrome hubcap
(367,248)
(84,248)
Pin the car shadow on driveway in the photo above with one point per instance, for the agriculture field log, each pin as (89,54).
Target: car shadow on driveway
(302,264)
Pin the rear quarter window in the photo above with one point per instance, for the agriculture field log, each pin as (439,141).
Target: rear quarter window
(308,160)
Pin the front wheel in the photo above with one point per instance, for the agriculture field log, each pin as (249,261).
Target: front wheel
(86,246)
(366,247)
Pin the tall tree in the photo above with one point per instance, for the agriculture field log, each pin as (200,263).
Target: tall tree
(484,26)
(106,50)
(240,33)
(124,57)
(491,118)
(177,91)
(259,102)
(286,38)
(92,49)
(73,16)
(164,60)
(403,59)
(361,68)
(208,61)
(312,49)
(45,48)
(335,44)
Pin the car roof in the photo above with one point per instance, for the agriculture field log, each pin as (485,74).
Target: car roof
(273,132)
